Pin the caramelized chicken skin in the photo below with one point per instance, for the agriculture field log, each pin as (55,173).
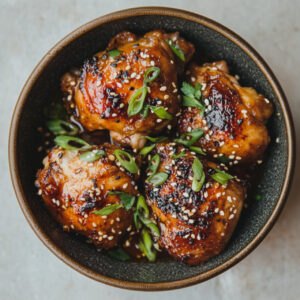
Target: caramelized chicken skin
(72,189)
(194,225)
(234,116)
(102,93)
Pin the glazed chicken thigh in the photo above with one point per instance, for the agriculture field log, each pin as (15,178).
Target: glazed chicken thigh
(73,189)
(233,117)
(111,79)
(195,225)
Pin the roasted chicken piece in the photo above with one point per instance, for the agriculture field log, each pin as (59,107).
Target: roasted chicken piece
(195,225)
(73,189)
(234,117)
(110,79)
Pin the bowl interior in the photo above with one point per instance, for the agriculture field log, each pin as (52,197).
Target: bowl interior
(211,45)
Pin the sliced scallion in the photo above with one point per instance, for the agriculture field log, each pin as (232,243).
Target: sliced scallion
(145,111)
(151,74)
(136,101)
(71,143)
(158,178)
(90,156)
(114,53)
(155,139)
(107,210)
(126,160)
(146,245)
(176,156)
(221,177)
(147,149)
(176,49)
(161,112)
(60,127)
(194,135)
(199,176)
(197,150)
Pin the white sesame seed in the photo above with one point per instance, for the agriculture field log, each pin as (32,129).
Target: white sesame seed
(125,185)
(122,105)
(259,162)
(133,75)
(193,79)
(231,216)
(221,213)
(152,63)
(267,100)
(158,120)
(114,115)
(277,140)
(166,97)
(163,88)
(127,68)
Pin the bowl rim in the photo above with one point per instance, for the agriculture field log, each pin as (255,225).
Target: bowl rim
(140,11)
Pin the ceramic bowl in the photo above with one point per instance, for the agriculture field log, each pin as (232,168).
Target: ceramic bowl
(213,42)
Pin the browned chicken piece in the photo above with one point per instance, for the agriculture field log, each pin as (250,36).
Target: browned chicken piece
(100,97)
(234,117)
(195,226)
(73,189)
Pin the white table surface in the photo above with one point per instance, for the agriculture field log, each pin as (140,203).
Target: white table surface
(27,269)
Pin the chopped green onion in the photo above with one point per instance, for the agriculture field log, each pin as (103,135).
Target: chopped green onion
(151,74)
(158,178)
(198,93)
(146,150)
(152,226)
(118,254)
(221,177)
(91,155)
(71,143)
(107,210)
(137,222)
(114,53)
(155,139)
(127,199)
(199,176)
(126,160)
(192,96)
(153,166)
(142,207)
(197,150)
(181,154)
(146,244)
(136,101)
(161,112)
(145,110)
(195,136)
(176,49)
(59,127)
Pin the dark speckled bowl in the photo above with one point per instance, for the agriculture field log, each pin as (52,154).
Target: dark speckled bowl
(213,42)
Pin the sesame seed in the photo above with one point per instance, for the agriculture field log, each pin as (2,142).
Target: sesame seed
(259,162)
(127,68)
(94,224)
(133,75)
(163,88)
(229,198)
(158,120)
(152,63)
(110,238)
(222,234)
(205,195)
(231,216)
(114,115)
(122,105)
(267,100)
(277,140)
(125,185)
(166,97)
(169,127)
(111,157)
(193,79)
(221,213)
(216,210)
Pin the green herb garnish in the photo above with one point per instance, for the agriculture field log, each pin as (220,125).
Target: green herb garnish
(126,160)
(197,150)
(158,178)
(127,199)
(223,159)
(221,177)
(147,149)
(192,96)
(114,53)
(71,143)
(107,210)
(181,154)
(189,138)
(118,254)
(90,156)
(161,112)
(176,49)
(155,139)
(145,111)
(146,245)
(151,74)
(199,176)
(60,127)
(136,101)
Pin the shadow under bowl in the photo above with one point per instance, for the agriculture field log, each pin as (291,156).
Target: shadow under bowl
(214,42)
